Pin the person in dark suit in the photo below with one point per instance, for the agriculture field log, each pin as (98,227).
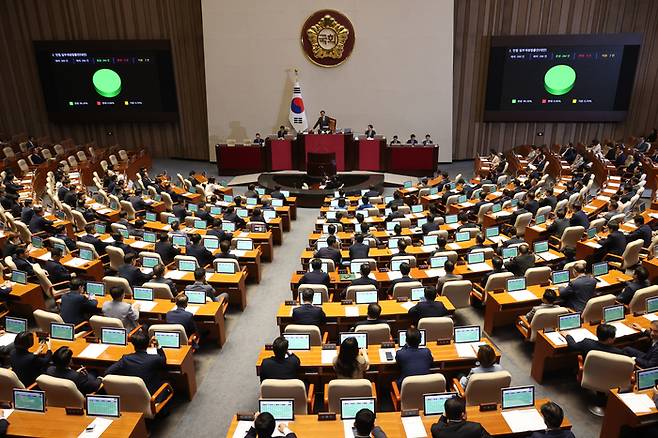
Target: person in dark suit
(131,272)
(640,280)
(179,212)
(230,215)
(412,140)
(21,262)
(395,140)
(197,250)
(147,367)
(264,426)
(27,212)
(549,199)
(430,225)
(330,252)
(553,417)
(498,267)
(282,132)
(605,334)
(118,243)
(359,250)
(649,358)
(225,251)
(181,316)
(158,277)
(614,243)
(137,201)
(579,290)
(411,360)
(28,366)
(449,267)
(373,316)
(217,231)
(307,313)
(522,262)
(56,271)
(4,425)
(579,217)
(405,269)
(453,423)
(258,141)
(316,275)
(370,133)
(166,249)
(531,204)
(428,307)
(283,365)
(428,140)
(89,238)
(276,193)
(560,224)
(39,224)
(61,368)
(365,279)
(643,231)
(322,122)
(76,305)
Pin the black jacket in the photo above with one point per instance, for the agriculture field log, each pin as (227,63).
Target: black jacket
(578,292)
(521,263)
(23,265)
(182,317)
(329,253)
(579,219)
(75,307)
(167,251)
(427,309)
(626,295)
(364,281)
(57,272)
(39,223)
(359,251)
(644,233)
(252,434)
(143,365)
(460,429)
(273,368)
(83,382)
(308,314)
(557,227)
(316,277)
(615,243)
(28,366)
(587,345)
(202,255)
(99,245)
(132,273)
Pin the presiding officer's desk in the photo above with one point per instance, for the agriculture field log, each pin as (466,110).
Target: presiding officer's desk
(55,422)
(340,318)
(391,423)
(180,361)
(208,317)
(619,416)
(549,356)
(317,362)
(502,308)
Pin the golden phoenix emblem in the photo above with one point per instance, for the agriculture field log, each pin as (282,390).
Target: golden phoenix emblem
(328,38)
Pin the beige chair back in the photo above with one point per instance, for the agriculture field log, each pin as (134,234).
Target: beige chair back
(350,293)
(315,288)
(312,330)
(236,265)
(134,395)
(409,259)
(78,220)
(44,280)
(638,303)
(176,328)
(61,393)
(128,208)
(8,381)
(23,231)
(538,275)
(286,389)
(160,290)
(403,289)
(522,221)
(452,255)
(97,322)
(371,262)
(43,319)
(631,255)
(347,388)
(187,258)
(437,327)
(458,292)
(603,371)
(545,318)
(496,282)
(484,208)
(415,387)
(571,236)
(110,281)
(403,221)
(377,333)
(593,310)
(485,387)
(331,266)
(116,257)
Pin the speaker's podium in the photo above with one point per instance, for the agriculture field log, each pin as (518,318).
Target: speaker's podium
(321,164)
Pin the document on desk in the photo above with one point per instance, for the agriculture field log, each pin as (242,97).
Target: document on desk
(479,267)
(382,355)
(352,311)
(638,403)
(435,272)
(414,427)
(468,349)
(100,424)
(146,306)
(623,329)
(108,240)
(348,428)
(76,262)
(238,252)
(523,295)
(601,283)
(579,334)
(548,256)
(394,275)
(139,244)
(45,256)
(453,226)
(603,198)
(651,316)
(407,305)
(556,338)
(593,245)
(524,420)
(242,428)
(428,248)
(92,351)
(328,356)
(176,275)
(7,339)
(454,246)
(192,309)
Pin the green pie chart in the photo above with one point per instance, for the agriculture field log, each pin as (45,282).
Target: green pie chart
(107,82)
(559,79)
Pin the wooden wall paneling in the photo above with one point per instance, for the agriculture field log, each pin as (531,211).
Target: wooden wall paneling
(477,20)
(179,21)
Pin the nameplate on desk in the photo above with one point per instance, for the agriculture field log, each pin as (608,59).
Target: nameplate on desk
(290,302)
(301,272)
(443,342)
(484,407)
(326,416)
(409,413)
(346,302)
(328,346)
(269,347)
(244,416)
(388,344)
(74,411)
(402,299)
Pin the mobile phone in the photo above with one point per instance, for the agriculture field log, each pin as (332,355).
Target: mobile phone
(389,355)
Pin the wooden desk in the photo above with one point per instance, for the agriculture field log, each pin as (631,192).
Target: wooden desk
(55,423)
(652,266)
(180,361)
(391,423)
(549,357)
(396,314)
(618,415)
(502,309)
(25,299)
(209,316)
(233,284)
(91,269)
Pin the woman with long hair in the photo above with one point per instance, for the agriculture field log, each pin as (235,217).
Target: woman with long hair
(350,363)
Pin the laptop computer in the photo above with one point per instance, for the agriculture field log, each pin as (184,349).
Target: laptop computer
(518,397)
(467,334)
(361,338)
(103,406)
